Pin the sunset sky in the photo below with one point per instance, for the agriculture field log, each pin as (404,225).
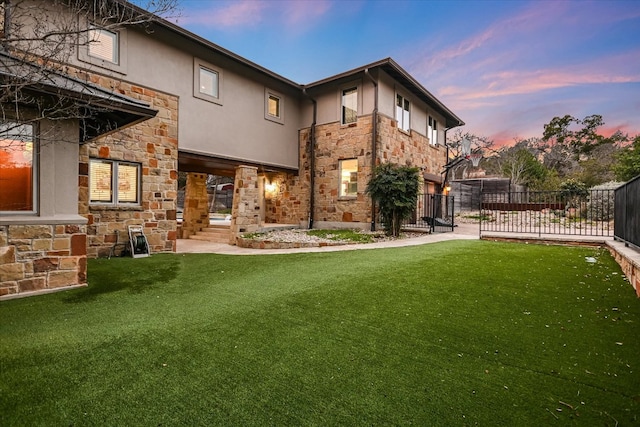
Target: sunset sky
(505,67)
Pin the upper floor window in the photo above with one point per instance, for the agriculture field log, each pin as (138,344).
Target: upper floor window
(348,177)
(349,105)
(432,131)
(18,168)
(273,106)
(104,44)
(104,48)
(207,81)
(114,182)
(403,113)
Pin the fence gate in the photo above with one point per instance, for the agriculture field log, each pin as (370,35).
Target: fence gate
(435,213)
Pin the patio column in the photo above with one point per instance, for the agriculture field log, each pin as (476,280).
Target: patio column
(196,205)
(245,215)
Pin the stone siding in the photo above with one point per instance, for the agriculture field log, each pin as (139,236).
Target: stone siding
(196,205)
(154,145)
(287,202)
(335,142)
(246,204)
(412,149)
(41,257)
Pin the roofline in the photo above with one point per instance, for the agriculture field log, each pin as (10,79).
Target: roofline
(208,44)
(388,62)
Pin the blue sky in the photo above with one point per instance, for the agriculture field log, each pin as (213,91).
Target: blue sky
(505,67)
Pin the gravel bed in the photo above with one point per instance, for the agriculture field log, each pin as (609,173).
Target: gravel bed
(301,236)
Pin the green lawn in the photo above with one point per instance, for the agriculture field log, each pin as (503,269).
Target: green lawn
(455,333)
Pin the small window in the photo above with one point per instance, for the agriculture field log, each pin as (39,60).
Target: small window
(349,178)
(349,105)
(273,106)
(208,82)
(103,44)
(403,113)
(107,175)
(18,172)
(432,131)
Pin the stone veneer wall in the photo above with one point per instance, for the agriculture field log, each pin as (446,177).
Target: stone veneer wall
(154,145)
(36,258)
(246,204)
(412,149)
(289,202)
(335,142)
(196,205)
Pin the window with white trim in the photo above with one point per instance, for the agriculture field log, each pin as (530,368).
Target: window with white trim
(18,168)
(114,182)
(104,45)
(349,105)
(207,81)
(403,108)
(432,131)
(348,177)
(273,106)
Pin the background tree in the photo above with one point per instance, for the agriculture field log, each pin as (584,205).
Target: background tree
(628,161)
(395,190)
(459,166)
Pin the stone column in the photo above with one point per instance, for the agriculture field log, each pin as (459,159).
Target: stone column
(196,205)
(245,215)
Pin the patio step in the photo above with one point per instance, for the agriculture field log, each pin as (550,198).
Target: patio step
(214,234)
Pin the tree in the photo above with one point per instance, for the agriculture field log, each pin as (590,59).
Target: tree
(628,161)
(39,42)
(521,166)
(457,166)
(395,190)
(580,141)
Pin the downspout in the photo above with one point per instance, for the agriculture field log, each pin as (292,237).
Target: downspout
(312,160)
(374,140)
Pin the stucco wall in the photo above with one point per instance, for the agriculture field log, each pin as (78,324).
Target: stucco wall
(47,251)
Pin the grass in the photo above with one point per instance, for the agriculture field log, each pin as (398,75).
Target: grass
(457,333)
(347,235)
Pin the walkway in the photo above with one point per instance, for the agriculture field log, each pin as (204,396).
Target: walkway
(462,232)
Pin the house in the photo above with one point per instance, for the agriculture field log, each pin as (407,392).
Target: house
(299,154)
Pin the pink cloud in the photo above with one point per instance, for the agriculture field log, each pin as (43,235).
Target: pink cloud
(297,13)
(248,13)
(530,20)
(240,13)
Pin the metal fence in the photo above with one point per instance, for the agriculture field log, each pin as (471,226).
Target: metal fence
(549,212)
(434,213)
(627,217)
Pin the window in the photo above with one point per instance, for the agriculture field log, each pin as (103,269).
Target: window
(207,81)
(107,175)
(349,105)
(348,177)
(402,113)
(273,106)
(432,131)
(103,44)
(18,171)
